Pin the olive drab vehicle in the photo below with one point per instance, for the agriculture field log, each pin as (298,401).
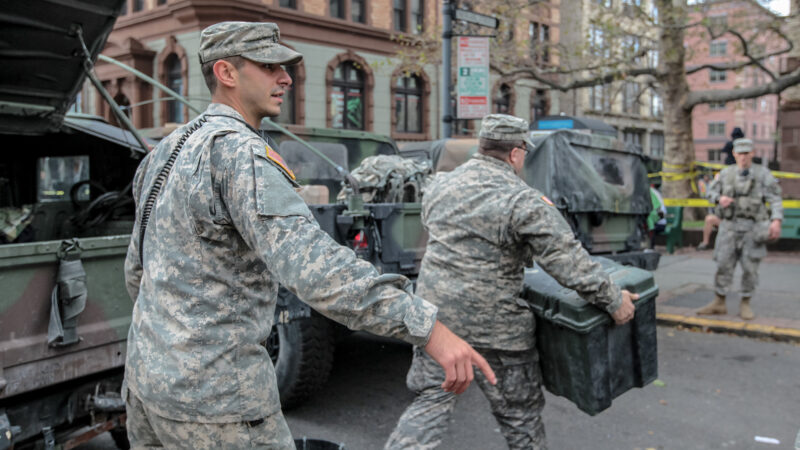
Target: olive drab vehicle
(598,183)
(382,225)
(66,217)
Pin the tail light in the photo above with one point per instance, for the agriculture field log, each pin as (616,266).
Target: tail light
(360,241)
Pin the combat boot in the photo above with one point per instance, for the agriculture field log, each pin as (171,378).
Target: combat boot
(717,306)
(744,309)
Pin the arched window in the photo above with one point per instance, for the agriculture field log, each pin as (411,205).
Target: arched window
(408,104)
(175,82)
(347,97)
(539,104)
(501,103)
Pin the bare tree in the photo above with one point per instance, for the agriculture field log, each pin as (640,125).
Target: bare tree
(645,45)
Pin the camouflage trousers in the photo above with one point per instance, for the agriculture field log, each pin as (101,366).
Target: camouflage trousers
(516,401)
(147,430)
(735,243)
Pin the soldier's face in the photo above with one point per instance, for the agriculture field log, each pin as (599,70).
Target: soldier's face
(263,87)
(743,160)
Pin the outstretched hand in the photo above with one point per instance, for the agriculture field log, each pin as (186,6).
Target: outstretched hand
(456,358)
(625,312)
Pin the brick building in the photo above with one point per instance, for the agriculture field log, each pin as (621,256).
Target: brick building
(347,79)
(713,123)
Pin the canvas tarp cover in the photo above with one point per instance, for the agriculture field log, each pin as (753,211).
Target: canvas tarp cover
(584,173)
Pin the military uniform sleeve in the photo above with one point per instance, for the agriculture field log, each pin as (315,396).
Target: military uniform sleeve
(772,194)
(275,222)
(133,267)
(539,225)
(715,190)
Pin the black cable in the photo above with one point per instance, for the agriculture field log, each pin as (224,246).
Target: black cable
(161,179)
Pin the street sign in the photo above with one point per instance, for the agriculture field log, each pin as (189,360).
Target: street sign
(479,19)
(473,77)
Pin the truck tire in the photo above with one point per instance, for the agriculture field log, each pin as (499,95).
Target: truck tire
(302,352)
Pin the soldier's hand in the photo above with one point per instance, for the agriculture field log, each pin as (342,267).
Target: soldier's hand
(625,312)
(774,230)
(725,201)
(456,358)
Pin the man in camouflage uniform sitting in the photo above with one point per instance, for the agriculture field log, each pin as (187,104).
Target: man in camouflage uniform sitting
(742,192)
(486,225)
(225,230)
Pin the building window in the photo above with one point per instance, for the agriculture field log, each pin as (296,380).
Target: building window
(630,98)
(417,16)
(633,136)
(539,37)
(719,48)
(501,103)
(597,43)
(629,7)
(288,4)
(600,97)
(717,106)
(174,82)
(656,105)
(606,3)
(538,104)
(408,95)
(718,23)
(138,5)
(631,45)
(715,155)
(717,76)
(755,130)
(358,11)
(124,10)
(716,129)
(347,97)
(399,15)
(161,2)
(337,8)
(657,145)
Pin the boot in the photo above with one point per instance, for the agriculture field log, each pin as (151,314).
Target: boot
(744,309)
(717,306)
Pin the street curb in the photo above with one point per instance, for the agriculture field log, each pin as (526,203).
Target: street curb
(727,326)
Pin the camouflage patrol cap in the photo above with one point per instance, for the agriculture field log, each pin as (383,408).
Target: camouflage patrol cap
(742,146)
(256,41)
(503,127)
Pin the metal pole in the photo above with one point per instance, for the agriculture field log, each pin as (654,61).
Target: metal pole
(447,116)
(150,80)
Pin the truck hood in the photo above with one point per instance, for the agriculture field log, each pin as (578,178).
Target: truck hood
(43,59)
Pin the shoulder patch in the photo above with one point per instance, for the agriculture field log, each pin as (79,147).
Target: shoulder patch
(547,200)
(273,156)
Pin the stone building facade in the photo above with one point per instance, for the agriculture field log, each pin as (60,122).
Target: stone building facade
(347,79)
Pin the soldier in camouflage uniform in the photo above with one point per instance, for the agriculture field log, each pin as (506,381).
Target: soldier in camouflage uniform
(226,228)
(486,225)
(742,191)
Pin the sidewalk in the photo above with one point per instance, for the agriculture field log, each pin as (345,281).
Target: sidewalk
(686,283)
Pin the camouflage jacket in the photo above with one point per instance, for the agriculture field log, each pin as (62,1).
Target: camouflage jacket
(486,225)
(750,192)
(227,228)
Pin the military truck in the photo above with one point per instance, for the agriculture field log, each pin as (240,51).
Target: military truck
(597,182)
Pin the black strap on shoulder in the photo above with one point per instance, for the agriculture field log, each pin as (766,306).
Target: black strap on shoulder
(161,179)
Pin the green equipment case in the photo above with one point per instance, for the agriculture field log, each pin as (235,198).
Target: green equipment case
(584,356)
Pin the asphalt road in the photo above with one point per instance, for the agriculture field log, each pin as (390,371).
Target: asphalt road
(715,392)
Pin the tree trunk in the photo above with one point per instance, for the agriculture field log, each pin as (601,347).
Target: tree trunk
(678,141)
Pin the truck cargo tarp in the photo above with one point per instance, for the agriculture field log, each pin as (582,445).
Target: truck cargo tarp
(602,174)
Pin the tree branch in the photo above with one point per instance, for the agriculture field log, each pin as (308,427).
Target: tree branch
(774,87)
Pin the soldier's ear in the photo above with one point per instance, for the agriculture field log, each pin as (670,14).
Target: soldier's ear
(226,73)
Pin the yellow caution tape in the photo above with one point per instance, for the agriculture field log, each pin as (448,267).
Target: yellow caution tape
(717,166)
(703,203)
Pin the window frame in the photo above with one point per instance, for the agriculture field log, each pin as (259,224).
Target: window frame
(423,90)
(368,83)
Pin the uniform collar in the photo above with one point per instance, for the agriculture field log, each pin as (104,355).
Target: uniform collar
(494,162)
(223,110)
